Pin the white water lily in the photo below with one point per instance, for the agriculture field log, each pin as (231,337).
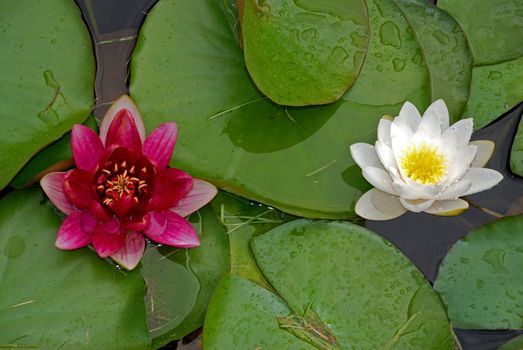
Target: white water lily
(421,164)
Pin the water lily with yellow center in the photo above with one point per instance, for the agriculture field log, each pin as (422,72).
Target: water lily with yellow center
(421,164)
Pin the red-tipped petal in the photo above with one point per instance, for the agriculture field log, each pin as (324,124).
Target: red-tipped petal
(87,147)
(108,238)
(169,228)
(131,252)
(53,186)
(76,231)
(201,193)
(124,102)
(171,186)
(159,145)
(124,133)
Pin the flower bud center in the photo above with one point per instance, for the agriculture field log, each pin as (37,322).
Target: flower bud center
(423,163)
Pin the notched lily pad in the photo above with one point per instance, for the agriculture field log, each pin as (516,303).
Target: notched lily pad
(339,286)
(304,52)
(480,279)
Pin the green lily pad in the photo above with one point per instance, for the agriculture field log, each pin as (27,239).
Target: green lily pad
(514,344)
(480,279)
(47,68)
(516,155)
(188,67)
(53,299)
(180,281)
(55,157)
(305,52)
(494,28)
(445,50)
(494,90)
(243,220)
(381,300)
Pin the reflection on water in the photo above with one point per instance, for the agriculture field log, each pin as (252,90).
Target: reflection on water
(425,239)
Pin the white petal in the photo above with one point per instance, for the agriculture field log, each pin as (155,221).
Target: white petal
(365,155)
(461,162)
(377,205)
(439,109)
(429,129)
(414,193)
(458,135)
(456,190)
(409,115)
(384,131)
(483,153)
(416,206)
(378,178)
(482,179)
(385,155)
(401,136)
(448,208)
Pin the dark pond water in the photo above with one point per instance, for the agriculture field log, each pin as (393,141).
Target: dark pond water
(425,239)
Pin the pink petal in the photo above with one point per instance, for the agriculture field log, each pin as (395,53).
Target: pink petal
(202,193)
(131,252)
(124,133)
(108,238)
(159,145)
(171,186)
(87,147)
(169,228)
(53,186)
(76,231)
(124,102)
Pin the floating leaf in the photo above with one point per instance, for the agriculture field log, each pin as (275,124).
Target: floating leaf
(514,344)
(180,281)
(47,69)
(243,220)
(381,301)
(480,279)
(55,157)
(304,52)
(53,299)
(188,67)
(494,28)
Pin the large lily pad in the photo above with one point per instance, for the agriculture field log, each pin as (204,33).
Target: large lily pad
(180,281)
(340,286)
(305,52)
(188,67)
(480,279)
(494,28)
(47,69)
(55,157)
(52,299)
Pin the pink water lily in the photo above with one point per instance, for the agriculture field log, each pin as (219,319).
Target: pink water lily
(122,189)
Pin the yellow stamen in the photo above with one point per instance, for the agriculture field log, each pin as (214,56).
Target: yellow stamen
(424,164)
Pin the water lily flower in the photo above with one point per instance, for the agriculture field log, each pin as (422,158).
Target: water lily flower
(122,189)
(420,164)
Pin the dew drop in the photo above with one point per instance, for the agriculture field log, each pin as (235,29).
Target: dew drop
(441,37)
(390,35)
(494,75)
